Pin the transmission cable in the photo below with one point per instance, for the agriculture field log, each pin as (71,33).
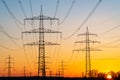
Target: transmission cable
(7,48)
(10,12)
(24,13)
(34,36)
(25,54)
(86,19)
(69,10)
(6,33)
(118,40)
(56,10)
(10,37)
(110,30)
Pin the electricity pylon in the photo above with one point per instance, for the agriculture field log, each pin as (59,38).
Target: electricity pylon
(24,71)
(58,73)
(41,42)
(62,68)
(9,62)
(87,49)
(50,73)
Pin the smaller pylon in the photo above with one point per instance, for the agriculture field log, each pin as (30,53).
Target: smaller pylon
(58,73)
(24,71)
(50,73)
(62,68)
(9,62)
(87,49)
(30,74)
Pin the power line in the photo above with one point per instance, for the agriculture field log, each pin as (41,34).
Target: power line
(106,45)
(24,13)
(26,17)
(56,10)
(69,10)
(7,48)
(11,38)
(24,28)
(25,54)
(31,7)
(86,19)
(33,27)
(118,40)
(110,30)
(56,46)
(6,33)
(33,24)
(10,12)
(12,15)
(70,58)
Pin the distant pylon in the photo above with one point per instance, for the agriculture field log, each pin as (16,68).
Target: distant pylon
(87,49)
(30,74)
(62,68)
(58,73)
(41,42)
(9,65)
(50,73)
(24,71)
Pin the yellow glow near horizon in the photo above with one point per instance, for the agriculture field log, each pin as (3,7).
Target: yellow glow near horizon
(109,76)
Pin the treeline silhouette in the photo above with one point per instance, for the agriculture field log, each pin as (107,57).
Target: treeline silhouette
(95,75)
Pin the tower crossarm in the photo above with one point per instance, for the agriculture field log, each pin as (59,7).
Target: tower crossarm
(90,41)
(90,34)
(41,17)
(42,30)
(8,67)
(78,50)
(39,43)
(91,49)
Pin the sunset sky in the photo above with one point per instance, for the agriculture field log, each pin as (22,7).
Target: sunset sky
(105,22)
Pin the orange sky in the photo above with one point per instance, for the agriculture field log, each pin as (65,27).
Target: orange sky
(105,18)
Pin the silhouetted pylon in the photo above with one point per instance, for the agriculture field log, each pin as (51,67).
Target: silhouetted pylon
(87,49)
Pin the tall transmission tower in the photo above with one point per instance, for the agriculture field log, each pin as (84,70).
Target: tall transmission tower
(87,49)
(9,62)
(41,42)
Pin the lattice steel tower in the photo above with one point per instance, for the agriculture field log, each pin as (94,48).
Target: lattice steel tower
(87,49)
(62,68)
(9,63)
(41,42)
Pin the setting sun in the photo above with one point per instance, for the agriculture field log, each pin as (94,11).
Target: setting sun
(109,76)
